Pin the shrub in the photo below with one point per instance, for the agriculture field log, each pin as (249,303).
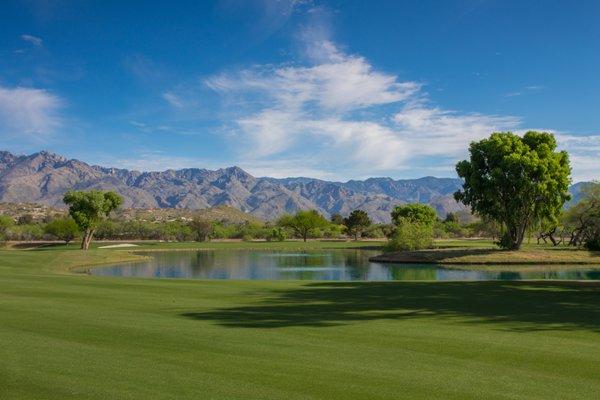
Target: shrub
(63,229)
(276,235)
(5,224)
(24,232)
(202,228)
(593,244)
(414,212)
(411,236)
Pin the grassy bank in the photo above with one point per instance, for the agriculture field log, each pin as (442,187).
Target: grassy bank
(84,337)
(484,252)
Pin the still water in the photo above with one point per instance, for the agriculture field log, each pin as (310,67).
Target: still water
(327,265)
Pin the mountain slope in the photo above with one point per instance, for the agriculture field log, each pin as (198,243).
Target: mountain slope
(44,177)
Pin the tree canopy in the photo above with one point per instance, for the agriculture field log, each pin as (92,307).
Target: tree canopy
(337,219)
(357,222)
(63,229)
(202,228)
(89,208)
(515,181)
(414,212)
(303,222)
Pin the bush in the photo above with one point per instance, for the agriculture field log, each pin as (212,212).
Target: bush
(62,229)
(276,235)
(5,224)
(414,212)
(330,232)
(593,244)
(377,231)
(411,236)
(201,228)
(24,232)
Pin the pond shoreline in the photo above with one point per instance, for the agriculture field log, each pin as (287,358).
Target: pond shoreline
(490,256)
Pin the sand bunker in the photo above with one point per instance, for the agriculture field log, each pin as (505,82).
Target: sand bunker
(113,246)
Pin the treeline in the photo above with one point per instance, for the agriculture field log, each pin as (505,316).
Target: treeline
(516,185)
(302,225)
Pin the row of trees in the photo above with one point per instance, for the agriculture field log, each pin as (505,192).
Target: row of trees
(513,184)
(303,223)
(90,211)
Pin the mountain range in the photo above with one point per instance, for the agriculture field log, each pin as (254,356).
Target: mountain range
(44,177)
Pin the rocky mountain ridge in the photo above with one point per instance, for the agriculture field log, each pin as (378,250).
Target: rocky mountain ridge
(43,177)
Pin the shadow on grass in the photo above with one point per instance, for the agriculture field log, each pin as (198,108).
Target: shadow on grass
(519,306)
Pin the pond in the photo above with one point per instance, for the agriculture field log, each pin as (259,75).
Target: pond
(327,265)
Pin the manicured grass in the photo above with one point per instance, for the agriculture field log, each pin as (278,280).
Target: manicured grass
(83,337)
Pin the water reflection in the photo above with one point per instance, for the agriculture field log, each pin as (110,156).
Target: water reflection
(330,265)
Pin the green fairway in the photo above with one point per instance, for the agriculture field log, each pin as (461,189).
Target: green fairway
(65,335)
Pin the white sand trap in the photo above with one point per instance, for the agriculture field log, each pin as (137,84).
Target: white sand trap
(114,246)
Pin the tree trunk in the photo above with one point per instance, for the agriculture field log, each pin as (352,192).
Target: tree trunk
(87,239)
(84,240)
(514,237)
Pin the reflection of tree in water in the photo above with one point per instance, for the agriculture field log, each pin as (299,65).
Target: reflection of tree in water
(344,265)
(594,274)
(303,259)
(357,264)
(413,273)
(509,276)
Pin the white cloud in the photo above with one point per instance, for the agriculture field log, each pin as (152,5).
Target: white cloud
(36,41)
(526,89)
(173,99)
(346,116)
(433,131)
(340,84)
(584,154)
(28,111)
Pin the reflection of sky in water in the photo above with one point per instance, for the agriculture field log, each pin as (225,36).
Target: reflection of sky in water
(333,265)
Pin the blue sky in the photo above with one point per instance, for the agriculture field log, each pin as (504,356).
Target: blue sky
(328,89)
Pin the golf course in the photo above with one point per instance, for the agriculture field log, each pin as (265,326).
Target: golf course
(66,334)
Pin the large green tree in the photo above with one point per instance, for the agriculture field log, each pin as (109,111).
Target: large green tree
(515,181)
(89,208)
(303,222)
(357,222)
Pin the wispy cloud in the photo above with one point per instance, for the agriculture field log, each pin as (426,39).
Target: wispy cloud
(36,41)
(346,115)
(145,69)
(173,99)
(29,112)
(584,152)
(524,90)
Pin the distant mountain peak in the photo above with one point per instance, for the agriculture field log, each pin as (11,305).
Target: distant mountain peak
(43,177)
